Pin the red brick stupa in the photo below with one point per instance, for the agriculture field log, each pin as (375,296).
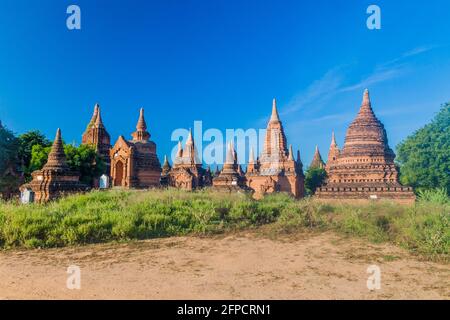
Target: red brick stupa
(55,178)
(365,167)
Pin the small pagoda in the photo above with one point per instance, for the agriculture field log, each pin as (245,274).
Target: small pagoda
(231,178)
(55,178)
(364,169)
(187,172)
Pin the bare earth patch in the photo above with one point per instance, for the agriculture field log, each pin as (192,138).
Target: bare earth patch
(237,266)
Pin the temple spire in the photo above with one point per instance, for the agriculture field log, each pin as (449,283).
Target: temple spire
(166,166)
(141,125)
(333,140)
(251,158)
(274,116)
(94,115)
(190,140)
(189,152)
(98,120)
(141,133)
(366,105)
(57,158)
(317,161)
(334,151)
(291,153)
(366,97)
(230,154)
(180,150)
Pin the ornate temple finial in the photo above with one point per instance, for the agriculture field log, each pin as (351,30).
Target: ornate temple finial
(189,151)
(180,150)
(334,151)
(366,104)
(141,125)
(317,161)
(366,97)
(190,140)
(251,158)
(233,151)
(57,157)
(98,120)
(333,139)
(274,116)
(94,115)
(230,155)
(291,153)
(141,133)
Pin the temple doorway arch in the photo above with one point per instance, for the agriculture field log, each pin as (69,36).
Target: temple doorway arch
(118,174)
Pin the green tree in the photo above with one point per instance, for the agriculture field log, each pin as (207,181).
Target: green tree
(314,177)
(86,161)
(26,143)
(83,159)
(39,156)
(424,157)
(9,175)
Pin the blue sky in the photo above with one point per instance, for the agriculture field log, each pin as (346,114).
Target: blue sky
(222,62)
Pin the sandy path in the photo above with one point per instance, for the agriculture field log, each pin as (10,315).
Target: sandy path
(240,266)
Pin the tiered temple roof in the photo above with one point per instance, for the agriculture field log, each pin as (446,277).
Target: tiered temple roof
(231,177)
(97,136)
(365,167)
(276,168)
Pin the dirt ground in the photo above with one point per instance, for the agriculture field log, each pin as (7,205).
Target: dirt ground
(237,266)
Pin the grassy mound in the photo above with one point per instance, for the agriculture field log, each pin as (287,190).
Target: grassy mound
(119,215)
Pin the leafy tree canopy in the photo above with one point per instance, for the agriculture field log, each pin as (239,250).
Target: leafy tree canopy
(314,177)
(9,175)
(424,157)
(83,159)
(8,149)
(26,143)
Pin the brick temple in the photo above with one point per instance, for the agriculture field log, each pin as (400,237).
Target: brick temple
(275,170)
(55,178)
(364,168)
(97,136)
(187,172)
(134,163)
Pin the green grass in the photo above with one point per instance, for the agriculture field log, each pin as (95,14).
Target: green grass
(118,215)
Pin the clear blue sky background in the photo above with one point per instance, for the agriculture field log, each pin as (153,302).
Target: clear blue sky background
(222,62)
